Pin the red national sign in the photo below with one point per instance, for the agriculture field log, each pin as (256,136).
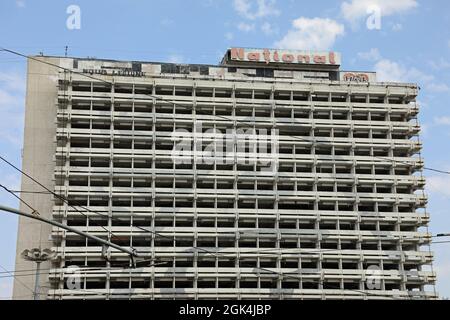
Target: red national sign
(283,56)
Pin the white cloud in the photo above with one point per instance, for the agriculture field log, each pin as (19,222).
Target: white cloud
(7,100)
(255,9)
(314,34)
(12,81)
(391,71)
(175,58)
(356,9)
(372,55)
(439,185)
(439,64)
(438,87)
(268,29)
(246,27)
(166,22)
(442,121)
(229,36)
(11,181)
(397,27)
(388,70)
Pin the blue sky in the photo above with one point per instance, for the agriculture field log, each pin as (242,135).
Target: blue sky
(403,40)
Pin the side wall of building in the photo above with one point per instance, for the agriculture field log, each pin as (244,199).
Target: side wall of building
(37,161)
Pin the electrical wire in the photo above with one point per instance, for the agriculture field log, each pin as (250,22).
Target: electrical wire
(18,280)
(174,103)
(21,296)
(144,229)
(30,192)
(276,251)
(205,250)
(66,200)
(179,104)
(87,268)
(59,197)
(242,231)
(271,271)
(218,254)
(171,237)
(33,211)
(283,275)
(51,288)
(76,269)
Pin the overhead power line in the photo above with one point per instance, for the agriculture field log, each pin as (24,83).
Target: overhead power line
(78,270)
(159,98)
(56,195)
(300,251)
(290,275)
(126,266)
(138,227)
(132,253)
(20,199)
(18,280)
(257,268)
(263,269)
(175,103)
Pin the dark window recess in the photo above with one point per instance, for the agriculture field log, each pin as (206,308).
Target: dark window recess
(136,66)
(268,284)
(310,285)
(263,72)
(182,69)
(168,68)
(232,69)
(163,284)
(289,284)
(205,284)
(268,73)
(334,76)
(75,63)
(204,71)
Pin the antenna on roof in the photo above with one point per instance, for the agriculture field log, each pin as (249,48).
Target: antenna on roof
(65,51)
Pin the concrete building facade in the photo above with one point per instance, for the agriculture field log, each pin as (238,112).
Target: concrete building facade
(171,160)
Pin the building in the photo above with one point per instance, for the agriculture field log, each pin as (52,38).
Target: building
(330,207)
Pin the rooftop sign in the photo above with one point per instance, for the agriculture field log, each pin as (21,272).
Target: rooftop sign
(283,56)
